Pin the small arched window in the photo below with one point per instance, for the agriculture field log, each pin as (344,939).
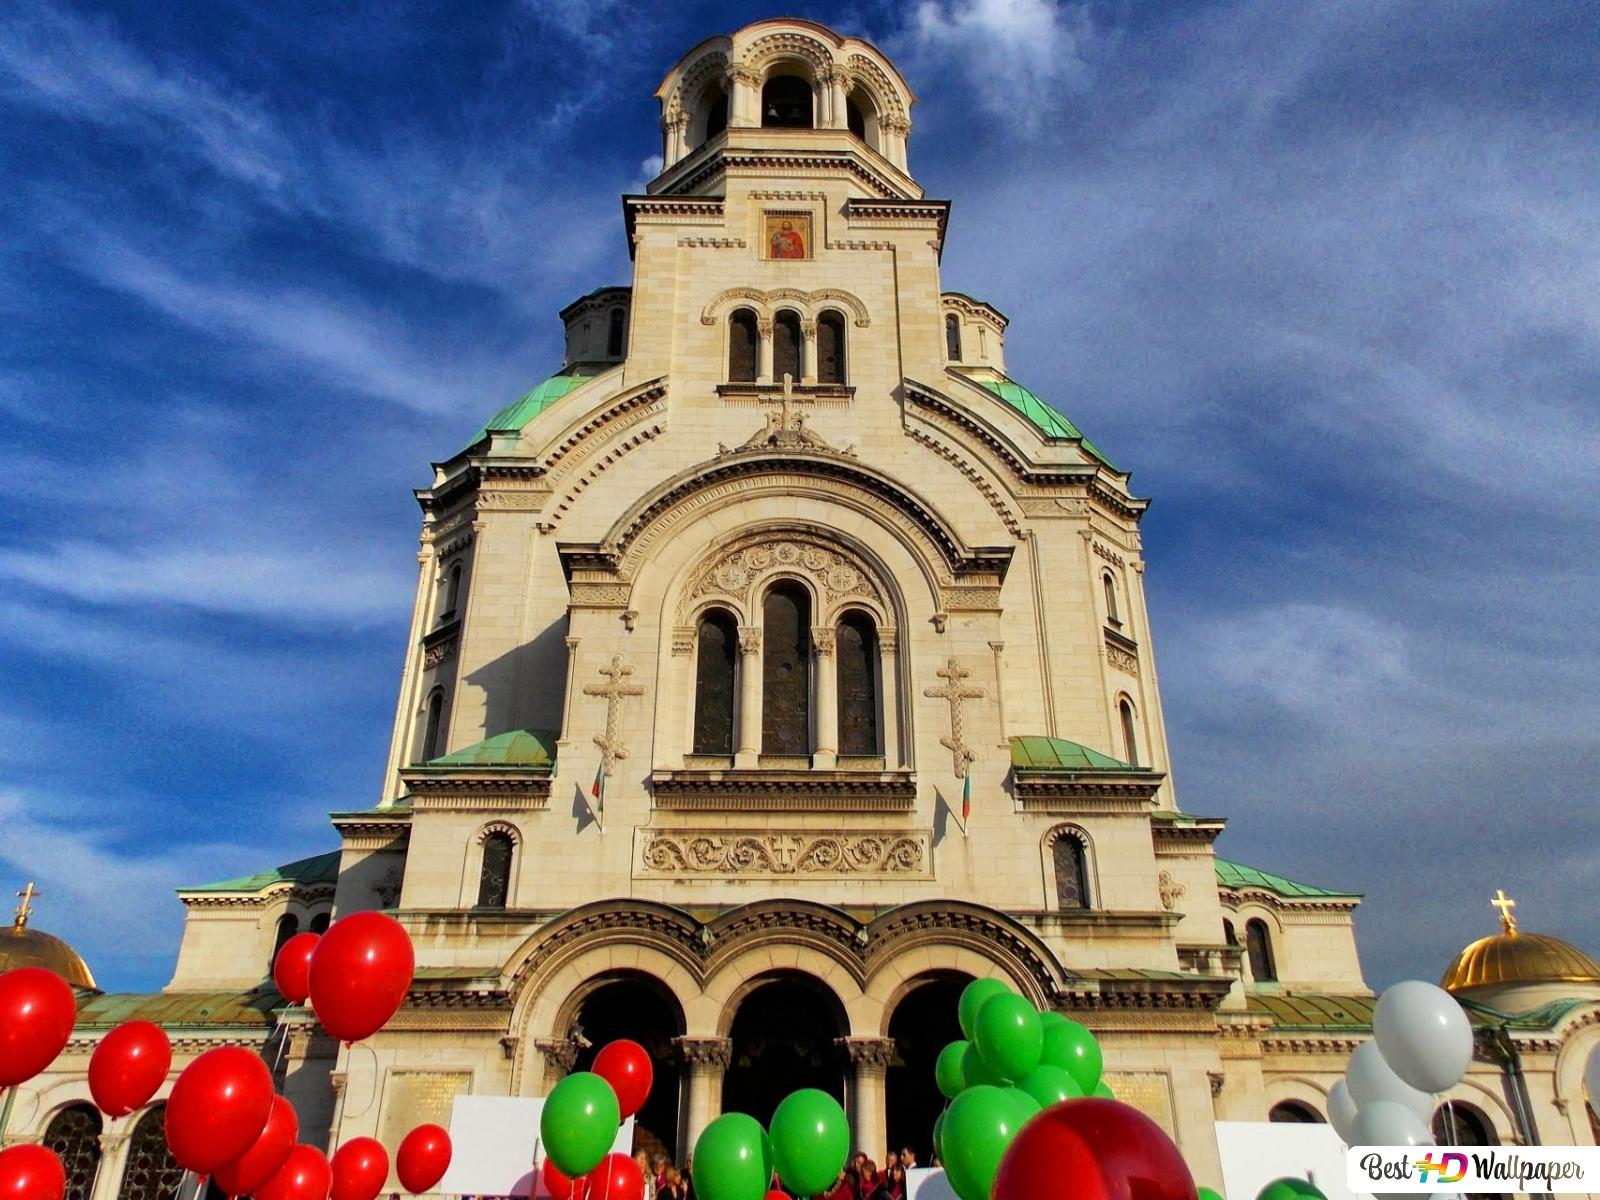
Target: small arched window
(786,103)
(428,750)
(74,1135)
(152,1173)
(1293,1112)
(494,877)
(856,645)
(855,118)
(830,348)
(1112,615)
(1130,739)
(952,337)
(1258,945)
(786,345)
(786,671)
(744,346)
(319,923)
(614,335)
(716,107)
(452,593)
(1071,870)
(288,926)
(716,652)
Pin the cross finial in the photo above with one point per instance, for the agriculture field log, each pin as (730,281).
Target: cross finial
(25,909)
(1505,904)
(788,398)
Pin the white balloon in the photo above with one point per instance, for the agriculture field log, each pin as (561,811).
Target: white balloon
(1385,1123)
(1341,1111)
(1371,1079)
(1591,1079)
(1425,1036)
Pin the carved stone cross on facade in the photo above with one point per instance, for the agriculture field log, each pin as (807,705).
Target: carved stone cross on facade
(615,689)
(957,693)
(787,427)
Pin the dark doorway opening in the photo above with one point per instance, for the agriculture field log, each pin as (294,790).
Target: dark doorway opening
(637,1007)
(784,1039)
(922,1024)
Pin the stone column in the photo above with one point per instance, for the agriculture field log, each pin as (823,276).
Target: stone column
(808,351)
(889,677)
(560,1055)
(748,751)
(707,1059)
(113,1161)
(764,330)
(825,753)
(836,80)
(869,1063)
(744,97)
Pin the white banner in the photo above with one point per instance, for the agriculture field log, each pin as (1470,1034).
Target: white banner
(923,1183)
(1473,1168)
(496,1149)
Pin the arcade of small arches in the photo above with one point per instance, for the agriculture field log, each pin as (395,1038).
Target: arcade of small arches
(807,350)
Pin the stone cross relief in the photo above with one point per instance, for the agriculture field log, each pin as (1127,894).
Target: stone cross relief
(956,693)
(615,689)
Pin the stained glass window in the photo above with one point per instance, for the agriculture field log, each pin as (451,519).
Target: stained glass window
(716,648)
(152,1173)
(744,347)
(786,346)
(952,338)
(785,671)
(1072,890)
(494,879)
(74,1134)
(857,650)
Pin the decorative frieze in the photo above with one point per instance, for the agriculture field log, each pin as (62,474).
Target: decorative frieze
(765,854)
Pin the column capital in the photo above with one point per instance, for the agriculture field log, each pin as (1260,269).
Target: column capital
(749,639)
(822,638)
(705,1053)
(560,1052)
(867,1054)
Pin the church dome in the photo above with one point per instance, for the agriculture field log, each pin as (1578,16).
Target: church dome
(1512,957)
(21,946)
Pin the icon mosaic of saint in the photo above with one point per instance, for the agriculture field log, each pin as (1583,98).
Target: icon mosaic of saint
(788,242)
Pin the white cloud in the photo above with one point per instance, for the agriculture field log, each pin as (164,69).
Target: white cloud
(1018,55)
(1309,657)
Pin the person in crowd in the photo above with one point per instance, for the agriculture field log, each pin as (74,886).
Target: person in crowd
(908,1158)
(844,1187)
(674,1184)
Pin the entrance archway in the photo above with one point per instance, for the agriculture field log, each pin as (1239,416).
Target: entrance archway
(784,1035)
(922,1024)
(630,1004)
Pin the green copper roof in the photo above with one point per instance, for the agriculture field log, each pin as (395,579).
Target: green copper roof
(1353,1013)
(1236,875)
(1058,754)
(517,414)
(183,1010)
(319,868)
(1046,419)
(524,749)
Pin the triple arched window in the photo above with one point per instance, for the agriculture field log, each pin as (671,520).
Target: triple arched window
(807,352)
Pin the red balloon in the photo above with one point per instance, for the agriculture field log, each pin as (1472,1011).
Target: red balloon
(31,1172)
(360,973)
(36,1015)
(777,1195)
(128,1067)
(555,1182)
(269,1152)
(423,1158)
(291,970)
(626,1067)
(616,1178)
(218,1108)
(1092,1149)
(360,1169)
(305,1175)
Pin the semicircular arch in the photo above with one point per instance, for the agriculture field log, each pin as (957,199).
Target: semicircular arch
(944,928)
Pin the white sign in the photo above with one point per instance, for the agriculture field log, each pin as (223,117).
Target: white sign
(495,1146)
(925,1184)
(1254,1153)
(1429,1169)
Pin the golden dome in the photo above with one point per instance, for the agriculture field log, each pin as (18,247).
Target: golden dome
(24,947)
(1513,957)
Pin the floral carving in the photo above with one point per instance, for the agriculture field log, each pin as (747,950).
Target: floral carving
(756,853)
(739,573)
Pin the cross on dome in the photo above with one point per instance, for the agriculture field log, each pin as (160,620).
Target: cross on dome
(1505,904)
(25,909)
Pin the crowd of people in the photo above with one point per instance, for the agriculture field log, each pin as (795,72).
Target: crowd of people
(861,1179)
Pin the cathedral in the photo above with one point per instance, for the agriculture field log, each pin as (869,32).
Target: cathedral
(776,666)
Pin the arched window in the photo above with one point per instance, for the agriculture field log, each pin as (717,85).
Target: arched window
(152,1173)
(1258,945)
(1130,740)
(428,749)
(320,922)
(830,348)
(786,345)
(716,651)
(716,108)
(1293,1112)
(856,645)
(494,877)
(786,103)
(614,335)
(952,337)
(452,593)
(744,346)
(1229,933)
(855,118)
(74,1134)
(1111,598)
(1072,871)
(786,671)
(288,926)
(1456,1123)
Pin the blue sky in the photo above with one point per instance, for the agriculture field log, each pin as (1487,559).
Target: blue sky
(1322,275)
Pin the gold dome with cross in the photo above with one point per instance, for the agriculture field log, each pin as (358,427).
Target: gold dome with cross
(1515,957)
(23,946)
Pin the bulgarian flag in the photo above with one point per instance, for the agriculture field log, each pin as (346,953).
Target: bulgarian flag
(966,799)
(597,789)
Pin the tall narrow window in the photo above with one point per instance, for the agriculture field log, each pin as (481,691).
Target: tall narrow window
(786,103)
(856,645)
(952,337)
(855,119)
(152,1173)
(452,591)
(716,113)
(614,335)
(716,650)
(1258,945)
(830,348)
(319,923)
(785,670)
(1229,933)
(786,346)
(429,748)
(744,347)
(74,1135)
(1111,599)
(1130,741)
(288,926)
(494,878)
(1072,876)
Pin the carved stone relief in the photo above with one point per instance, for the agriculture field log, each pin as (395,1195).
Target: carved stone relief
(762,854)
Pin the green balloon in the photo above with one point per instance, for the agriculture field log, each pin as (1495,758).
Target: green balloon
(947,1071)
(1208,1194)
(1007,1034)
(973,997)
(1049,1085)
(1026,1104)
(1103,1090)
(938,1134)
(1290,1188)
(579,1122)
(732,1159)
(979,1126)
(810,1141)
(975,1072)
(1071,1047)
